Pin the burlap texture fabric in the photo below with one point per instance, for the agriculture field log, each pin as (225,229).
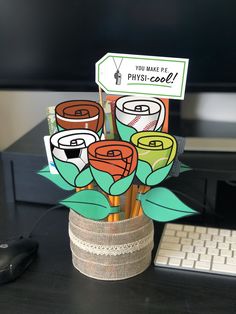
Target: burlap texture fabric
(110,250)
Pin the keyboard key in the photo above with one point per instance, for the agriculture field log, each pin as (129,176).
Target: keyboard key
(205,258)
(210,244)
(170,232)
(193,235)
(187,241)
(189,228)
(230,239)
(226,253)
(187,248)
(181,234)
(225,232)
(202,265)
(200,250)
(201,229)
(213,231)
(205,236)
(174,227)
(233,246)
(198,242)
(223,246)
(170,239)
(174,261)
(170,246)
(231,260)
(161,260)
(211,251)
(218,259)
(192,256)
(223,268)
(170,253)
(187,263)
(217,238)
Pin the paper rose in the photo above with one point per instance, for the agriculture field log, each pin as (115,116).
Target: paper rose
(113,165)
(80,114)
(69,152)
(135,114)
(156,153)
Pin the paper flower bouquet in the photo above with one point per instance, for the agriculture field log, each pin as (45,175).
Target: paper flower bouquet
(115,183)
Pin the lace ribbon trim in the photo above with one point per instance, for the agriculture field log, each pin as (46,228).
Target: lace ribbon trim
(111,250)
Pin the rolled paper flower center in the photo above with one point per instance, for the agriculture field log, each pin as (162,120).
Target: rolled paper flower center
(140,108)
(114,153)
(119,160)
(82,113)
(71,141)
(154,143)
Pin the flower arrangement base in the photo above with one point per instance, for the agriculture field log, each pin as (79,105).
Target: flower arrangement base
(110,250)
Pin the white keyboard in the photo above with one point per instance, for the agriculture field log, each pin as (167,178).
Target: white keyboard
(199,249)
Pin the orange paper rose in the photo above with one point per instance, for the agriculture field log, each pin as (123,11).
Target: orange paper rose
(113,165)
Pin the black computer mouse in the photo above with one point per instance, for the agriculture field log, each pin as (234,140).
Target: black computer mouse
(15,257)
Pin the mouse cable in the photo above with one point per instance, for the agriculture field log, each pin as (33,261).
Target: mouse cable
(35,225)
(21,236)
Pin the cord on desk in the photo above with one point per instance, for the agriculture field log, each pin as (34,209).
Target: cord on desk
(41,217)
(21,236)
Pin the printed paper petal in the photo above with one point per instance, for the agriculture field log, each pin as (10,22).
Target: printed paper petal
(84,178)
(161,204)
(159,175)
(125,131)
(56,179)
(143,171)
(68,171)
(90,204)
(103,179)
(121,186)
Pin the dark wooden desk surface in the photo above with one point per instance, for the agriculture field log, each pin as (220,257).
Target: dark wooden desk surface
(51,284)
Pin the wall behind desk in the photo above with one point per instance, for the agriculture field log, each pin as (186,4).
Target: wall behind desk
(22,110)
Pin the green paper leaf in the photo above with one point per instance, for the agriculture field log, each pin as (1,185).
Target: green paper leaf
(149,177)
(161,204)
(56,179)
(103,179)
(184,168)
(121,186)
(67,170)
(90,204)
(125,131)
(158,175)
(143,171)
(84,178)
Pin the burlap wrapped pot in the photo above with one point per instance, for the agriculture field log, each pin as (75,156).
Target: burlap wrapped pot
(110,250)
